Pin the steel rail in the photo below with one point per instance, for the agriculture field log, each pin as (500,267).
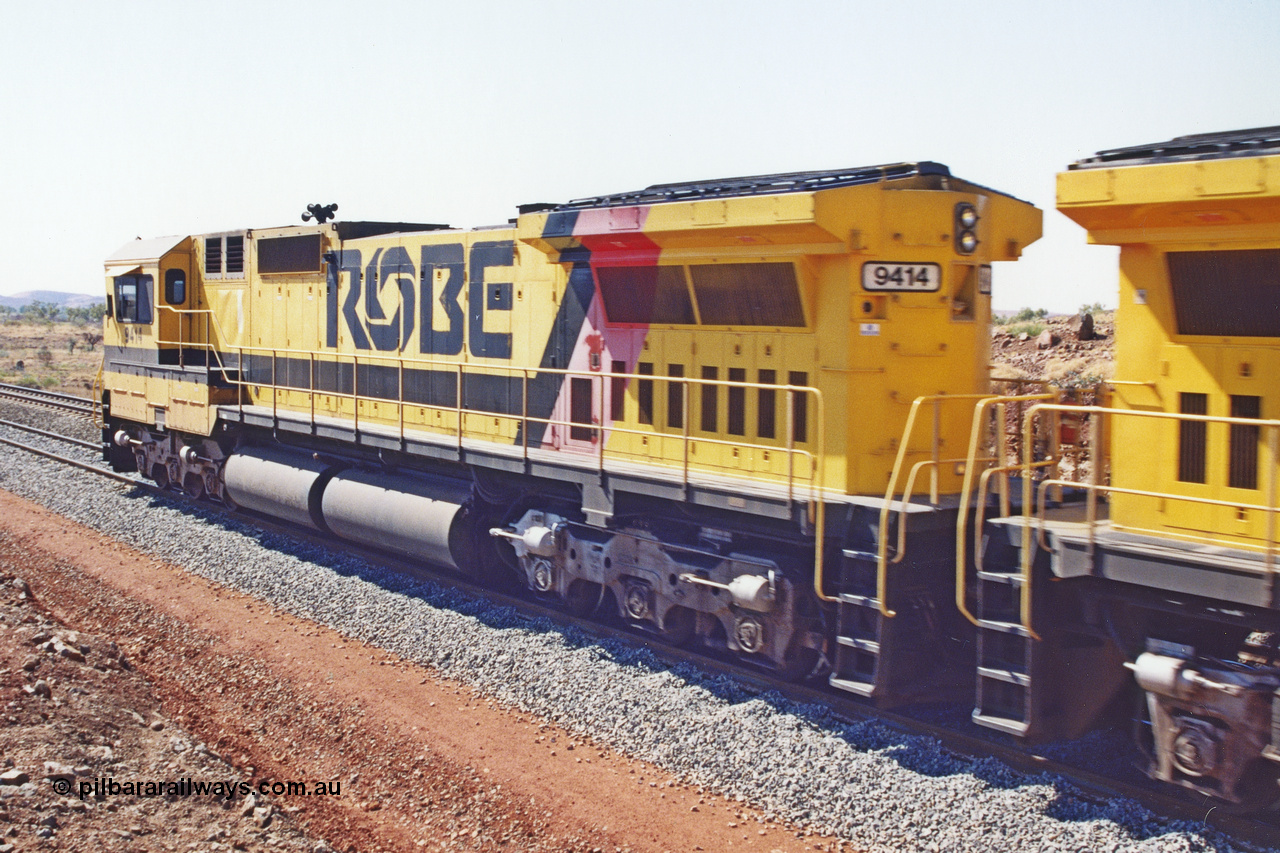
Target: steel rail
(91,445)
(58,400)
(96,469)
(1171,804)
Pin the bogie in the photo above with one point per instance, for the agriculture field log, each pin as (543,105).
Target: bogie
(676,591)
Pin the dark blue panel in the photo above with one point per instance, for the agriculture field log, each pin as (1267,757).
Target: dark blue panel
(331,306)
(484,344)
(450,258)
(350,262)
(497,297)
(544,388)
(560,224)
(394,266)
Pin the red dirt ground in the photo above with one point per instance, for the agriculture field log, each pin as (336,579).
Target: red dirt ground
(424,763)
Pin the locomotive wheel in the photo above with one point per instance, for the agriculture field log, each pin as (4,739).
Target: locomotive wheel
(160,474)
(490,562)
(193,485)
(679,626)
(798,663)
(1258,788)
(583,597)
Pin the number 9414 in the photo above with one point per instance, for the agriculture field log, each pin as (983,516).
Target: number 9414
(889,276)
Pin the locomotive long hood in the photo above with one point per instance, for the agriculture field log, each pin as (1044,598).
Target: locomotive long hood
(802,213)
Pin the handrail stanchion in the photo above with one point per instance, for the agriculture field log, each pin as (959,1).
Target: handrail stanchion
(1097,423)
(997,406)
(684,425)
(275,395)
(458,407)
(791,443)
(935,450)
(1273,446)
(311,384)
(820,505)
(962,518)
(599,433)
(1028,510)
(1000,434)
(882,539)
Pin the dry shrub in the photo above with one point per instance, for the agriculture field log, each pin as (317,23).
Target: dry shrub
(1007,372)
(1077,372)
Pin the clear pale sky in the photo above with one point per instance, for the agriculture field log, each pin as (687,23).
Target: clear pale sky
(128,119)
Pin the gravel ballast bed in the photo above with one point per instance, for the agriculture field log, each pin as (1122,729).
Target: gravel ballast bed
(877,787)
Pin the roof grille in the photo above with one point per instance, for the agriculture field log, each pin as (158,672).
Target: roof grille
(789,182)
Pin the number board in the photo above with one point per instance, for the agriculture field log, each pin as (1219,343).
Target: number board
(890,276)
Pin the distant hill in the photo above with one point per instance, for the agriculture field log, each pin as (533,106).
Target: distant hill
(57,297)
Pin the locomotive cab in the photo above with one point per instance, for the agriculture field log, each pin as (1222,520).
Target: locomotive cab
(161,377)
(156,344)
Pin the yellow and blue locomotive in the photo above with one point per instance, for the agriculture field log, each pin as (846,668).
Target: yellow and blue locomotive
(686,401)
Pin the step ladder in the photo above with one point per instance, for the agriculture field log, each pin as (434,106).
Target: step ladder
(1008,699)
(858,626)
(1054,686)
(1005,655)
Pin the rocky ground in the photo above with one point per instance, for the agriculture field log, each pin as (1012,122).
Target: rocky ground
(1073,353)
(1065,350)
(82,725)
(121,669)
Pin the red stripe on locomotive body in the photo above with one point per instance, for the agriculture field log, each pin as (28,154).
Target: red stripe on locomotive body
(614,237)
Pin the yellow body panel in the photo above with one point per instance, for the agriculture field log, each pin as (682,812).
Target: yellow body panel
(1153,212)
(515,318)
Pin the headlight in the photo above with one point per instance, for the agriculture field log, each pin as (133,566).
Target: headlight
(966,228)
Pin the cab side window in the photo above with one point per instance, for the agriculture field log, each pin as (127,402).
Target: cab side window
(133,298)
(175,287)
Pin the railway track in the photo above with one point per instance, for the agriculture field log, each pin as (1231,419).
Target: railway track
(54,399)
(1253,830)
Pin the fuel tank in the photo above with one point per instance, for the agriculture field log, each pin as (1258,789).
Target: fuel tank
(415,516)
(281,483)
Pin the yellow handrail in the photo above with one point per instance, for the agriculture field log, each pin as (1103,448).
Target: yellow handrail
(977,434)
(882,539)
(1034,496)
(811,469)
(1099,414)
